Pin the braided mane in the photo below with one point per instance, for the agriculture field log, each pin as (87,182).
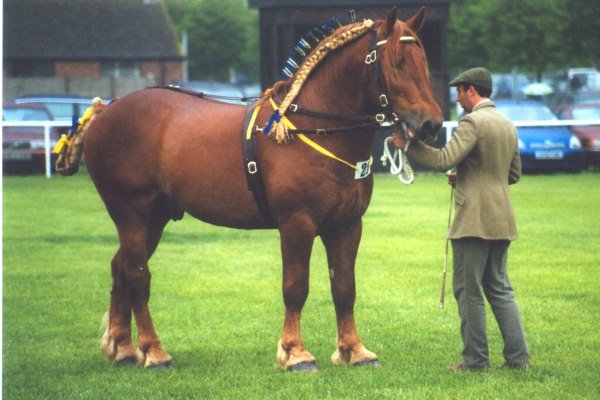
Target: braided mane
(276,128)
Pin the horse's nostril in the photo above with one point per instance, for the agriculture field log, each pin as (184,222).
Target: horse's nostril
(430,128)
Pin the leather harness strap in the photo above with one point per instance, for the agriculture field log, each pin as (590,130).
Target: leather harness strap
(253,176)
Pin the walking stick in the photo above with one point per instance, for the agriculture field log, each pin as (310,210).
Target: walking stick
(443,290)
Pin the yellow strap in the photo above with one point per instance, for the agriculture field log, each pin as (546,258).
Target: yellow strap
(251,123)
(323,150)
(310,142)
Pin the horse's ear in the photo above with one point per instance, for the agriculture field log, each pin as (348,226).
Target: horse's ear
(390,22)
(416,22)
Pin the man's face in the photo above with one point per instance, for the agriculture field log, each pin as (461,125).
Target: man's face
(463,97)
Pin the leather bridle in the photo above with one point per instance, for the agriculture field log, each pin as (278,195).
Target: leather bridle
(380,120)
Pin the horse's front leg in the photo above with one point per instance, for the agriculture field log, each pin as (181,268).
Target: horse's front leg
(342,247)
(297,238)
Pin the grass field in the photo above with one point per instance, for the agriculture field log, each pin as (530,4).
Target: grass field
(216,300)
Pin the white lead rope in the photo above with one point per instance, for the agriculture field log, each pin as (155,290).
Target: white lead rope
(399,164)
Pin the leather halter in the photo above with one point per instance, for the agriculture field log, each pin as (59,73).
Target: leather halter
(372,61)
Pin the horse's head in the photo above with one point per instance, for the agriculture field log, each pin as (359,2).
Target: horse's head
(399,89)
(403,68)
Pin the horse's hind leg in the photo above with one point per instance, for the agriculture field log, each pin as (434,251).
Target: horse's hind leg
(139,233)
(342,246)
(116,342)
(151,353)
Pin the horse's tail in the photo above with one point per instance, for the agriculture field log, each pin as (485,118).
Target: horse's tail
(69,148)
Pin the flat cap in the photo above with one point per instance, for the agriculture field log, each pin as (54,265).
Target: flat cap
(475,76)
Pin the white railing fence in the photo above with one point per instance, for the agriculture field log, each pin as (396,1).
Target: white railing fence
(448,126)
(47,125)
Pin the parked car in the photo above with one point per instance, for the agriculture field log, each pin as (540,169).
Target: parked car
(509,86)
(542,148)
(561,100)
(589,136)
(61,107)
(23,148)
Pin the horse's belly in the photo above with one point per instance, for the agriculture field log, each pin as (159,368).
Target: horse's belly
(204,176)
(219,202)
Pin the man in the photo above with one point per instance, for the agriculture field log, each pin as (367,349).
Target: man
(484,152)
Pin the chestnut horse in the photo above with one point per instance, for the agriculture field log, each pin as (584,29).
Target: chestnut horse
(157,153)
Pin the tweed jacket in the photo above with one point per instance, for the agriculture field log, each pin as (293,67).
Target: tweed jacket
(484,150)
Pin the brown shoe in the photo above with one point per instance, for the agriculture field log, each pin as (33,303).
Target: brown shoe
(527,365)
(456,368)
(460,367)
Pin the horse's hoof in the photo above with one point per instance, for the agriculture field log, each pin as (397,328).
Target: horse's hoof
(308,366)
(368,363)
(126,361)
(166,365)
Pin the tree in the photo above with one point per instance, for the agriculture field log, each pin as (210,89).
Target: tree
(532,35)
(527,34)
(465,31)
(222,37)
(582,33)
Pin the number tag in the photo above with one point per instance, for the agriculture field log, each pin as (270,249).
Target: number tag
(363,169)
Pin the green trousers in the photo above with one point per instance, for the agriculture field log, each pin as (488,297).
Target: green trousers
(477,264)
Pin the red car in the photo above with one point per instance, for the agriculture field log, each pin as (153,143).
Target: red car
(588,135)
(23,148)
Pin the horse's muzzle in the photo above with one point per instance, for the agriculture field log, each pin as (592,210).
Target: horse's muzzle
(425,131)
(429,130)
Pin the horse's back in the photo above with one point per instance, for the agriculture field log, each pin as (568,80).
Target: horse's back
(160,141)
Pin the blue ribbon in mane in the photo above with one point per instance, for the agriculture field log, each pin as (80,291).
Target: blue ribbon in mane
(274,118)
(303,47)
(74,123)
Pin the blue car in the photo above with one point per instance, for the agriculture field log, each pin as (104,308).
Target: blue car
(542,148)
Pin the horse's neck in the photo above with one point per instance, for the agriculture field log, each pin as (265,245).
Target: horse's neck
(340,84)
(344,93)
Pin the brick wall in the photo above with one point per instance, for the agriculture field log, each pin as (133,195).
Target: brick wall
(77,69)
(107,88)
(163,71)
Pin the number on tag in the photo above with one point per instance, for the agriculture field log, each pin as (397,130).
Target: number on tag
(363,169)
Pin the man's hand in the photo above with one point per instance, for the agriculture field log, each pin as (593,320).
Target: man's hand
(451,178)
(398,141)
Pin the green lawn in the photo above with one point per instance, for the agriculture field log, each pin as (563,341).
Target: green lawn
(216,300)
